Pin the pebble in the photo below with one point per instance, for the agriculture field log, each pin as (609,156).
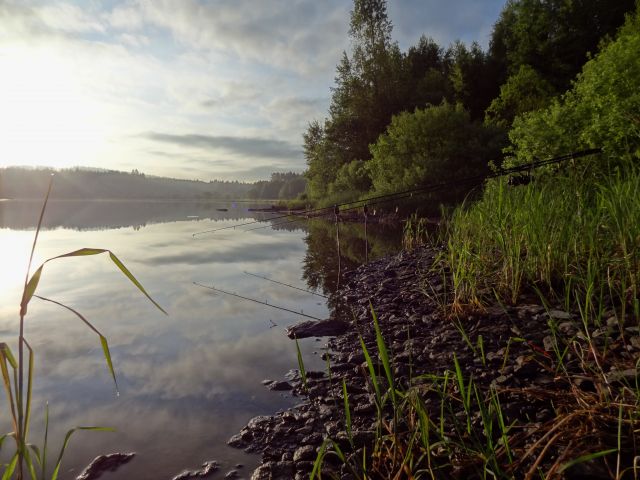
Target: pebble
(517,350)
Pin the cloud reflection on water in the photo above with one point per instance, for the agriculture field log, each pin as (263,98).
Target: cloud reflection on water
(188,380)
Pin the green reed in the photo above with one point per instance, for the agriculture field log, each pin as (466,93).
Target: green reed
(570,234)
(13,369)
(570,238)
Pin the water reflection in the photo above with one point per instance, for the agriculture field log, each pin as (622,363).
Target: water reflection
(323,264)
(106,214)
(188,380)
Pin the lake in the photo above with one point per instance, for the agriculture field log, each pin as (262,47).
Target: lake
(188,380)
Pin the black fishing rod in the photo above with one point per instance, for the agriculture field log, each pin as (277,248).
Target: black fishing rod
(256,301)
(285,284)
(437,186)
(418,190)
(278,217)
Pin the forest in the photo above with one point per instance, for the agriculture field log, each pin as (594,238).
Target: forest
(87,183)
(559,78)
(399,120)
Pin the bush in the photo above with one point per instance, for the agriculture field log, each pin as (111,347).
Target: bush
(432,145)
(601,110)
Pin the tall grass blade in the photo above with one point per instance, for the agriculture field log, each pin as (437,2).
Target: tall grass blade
(7,358)
(36,452)
(43,464)
(372,372)
(303,372)
(67,437)
(133,279)
(317,464)
(107,356)
(27,414)
(24,302)
(586,458)
(347,410)
(10,467)
(30,466)
(384,355)
(4,348)
(32,284)
(103,340)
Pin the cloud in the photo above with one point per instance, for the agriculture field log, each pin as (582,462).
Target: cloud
(305,37)
(244,146)
(69,18)
(245,253)
(253,73)
(125,17)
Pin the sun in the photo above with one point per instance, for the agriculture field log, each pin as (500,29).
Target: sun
(46,116)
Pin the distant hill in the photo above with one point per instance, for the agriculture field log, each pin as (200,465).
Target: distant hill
(83,183)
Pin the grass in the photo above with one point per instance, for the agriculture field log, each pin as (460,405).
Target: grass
(571,241)
(568,235)
(28,456)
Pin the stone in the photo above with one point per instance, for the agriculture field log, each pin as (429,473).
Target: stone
(205,470)
(559,315)
(318,328)
(306,452)
(279,386)
(105,463)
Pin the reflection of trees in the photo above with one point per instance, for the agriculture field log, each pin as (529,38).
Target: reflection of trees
(107,214)
(320,268)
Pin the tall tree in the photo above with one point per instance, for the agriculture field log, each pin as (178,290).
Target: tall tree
(473,78)
(428,69)
(554,37)
(369,89)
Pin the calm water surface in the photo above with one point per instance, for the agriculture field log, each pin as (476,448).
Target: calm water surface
(189,380)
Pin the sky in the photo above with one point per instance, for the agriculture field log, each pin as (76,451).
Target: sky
(194,89)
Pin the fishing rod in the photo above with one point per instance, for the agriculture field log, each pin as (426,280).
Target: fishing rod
(424,189)
(438,186)
(285,284)
(278,217)
(256,301)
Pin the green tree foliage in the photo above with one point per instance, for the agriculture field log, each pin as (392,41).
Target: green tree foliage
(368,91)
(427,69)
(537,47)
(377,81)
(523,92)
(352,181)
(473,78)
(553,36)
(92,183)
(601,110)
(281,186)
(431,145)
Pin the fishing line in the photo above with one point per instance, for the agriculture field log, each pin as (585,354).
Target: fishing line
(408,193)
(285,284)
(256,301)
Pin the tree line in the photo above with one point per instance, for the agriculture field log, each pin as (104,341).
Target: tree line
(399,120)
(90,183)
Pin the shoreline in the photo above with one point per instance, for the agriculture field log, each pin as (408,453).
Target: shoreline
(506,351)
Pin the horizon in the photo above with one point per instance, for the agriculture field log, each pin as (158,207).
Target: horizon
(186,89)
(135,172)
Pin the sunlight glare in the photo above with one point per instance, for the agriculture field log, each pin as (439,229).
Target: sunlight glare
(47,117)
(14,256)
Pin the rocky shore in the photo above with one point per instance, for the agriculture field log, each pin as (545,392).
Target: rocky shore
(513,350)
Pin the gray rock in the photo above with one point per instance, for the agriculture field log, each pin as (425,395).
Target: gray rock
(559,315)
(318,328)
(105,463)
(279,386)
(306,452)
(207,469)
